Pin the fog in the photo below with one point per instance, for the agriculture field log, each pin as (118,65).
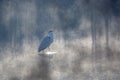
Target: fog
(86,40)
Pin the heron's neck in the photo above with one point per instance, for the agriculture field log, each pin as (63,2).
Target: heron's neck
(51,35)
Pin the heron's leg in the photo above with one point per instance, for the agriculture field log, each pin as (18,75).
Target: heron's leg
(43,51)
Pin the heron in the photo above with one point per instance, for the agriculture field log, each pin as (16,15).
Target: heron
(46,42)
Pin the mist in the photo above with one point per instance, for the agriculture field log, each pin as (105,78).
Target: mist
(86,40)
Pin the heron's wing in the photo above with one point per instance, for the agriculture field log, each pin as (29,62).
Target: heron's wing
(44,44)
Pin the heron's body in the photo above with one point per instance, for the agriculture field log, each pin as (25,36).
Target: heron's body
(46,42)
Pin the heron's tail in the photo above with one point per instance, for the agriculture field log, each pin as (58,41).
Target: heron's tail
(39,50)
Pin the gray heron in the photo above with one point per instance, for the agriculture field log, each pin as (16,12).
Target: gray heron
(46,42)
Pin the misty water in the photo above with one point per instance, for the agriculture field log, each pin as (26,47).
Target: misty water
(86,44)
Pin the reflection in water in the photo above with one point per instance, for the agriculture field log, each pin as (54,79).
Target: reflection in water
(42,72)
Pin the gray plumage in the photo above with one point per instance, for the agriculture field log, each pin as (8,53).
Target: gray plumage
(46,42)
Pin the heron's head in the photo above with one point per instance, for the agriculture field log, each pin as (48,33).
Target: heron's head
(50,31)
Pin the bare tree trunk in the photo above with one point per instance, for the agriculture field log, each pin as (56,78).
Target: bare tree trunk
(107,31)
